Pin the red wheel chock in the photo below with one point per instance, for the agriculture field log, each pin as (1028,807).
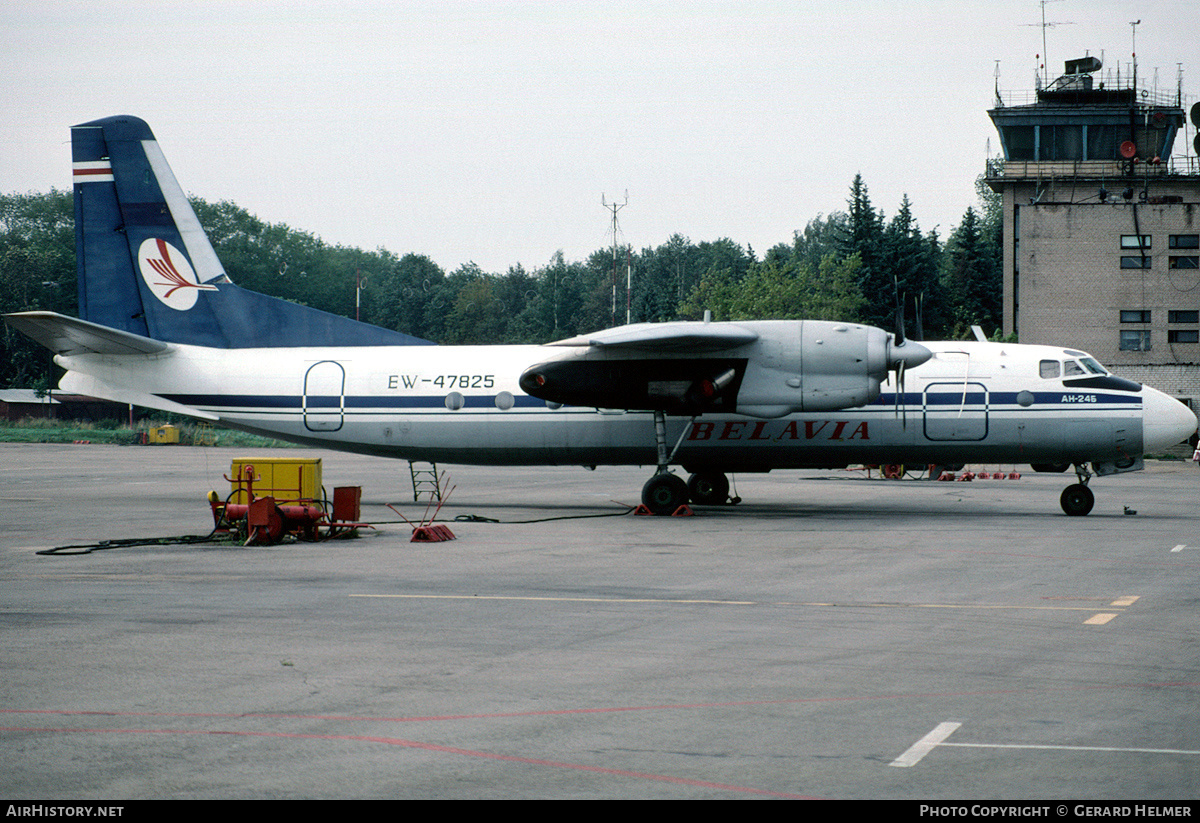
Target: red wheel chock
(683,511)
(432,533)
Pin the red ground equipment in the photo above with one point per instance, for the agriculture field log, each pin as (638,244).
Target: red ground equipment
(266,520)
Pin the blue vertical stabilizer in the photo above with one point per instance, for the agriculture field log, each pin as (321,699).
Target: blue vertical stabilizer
(146,266)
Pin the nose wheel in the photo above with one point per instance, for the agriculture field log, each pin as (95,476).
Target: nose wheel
(1078,500)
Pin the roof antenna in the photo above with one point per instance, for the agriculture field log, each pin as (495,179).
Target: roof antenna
(1134,24)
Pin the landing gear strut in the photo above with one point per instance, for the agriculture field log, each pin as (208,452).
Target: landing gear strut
(1078,500)
(664,492)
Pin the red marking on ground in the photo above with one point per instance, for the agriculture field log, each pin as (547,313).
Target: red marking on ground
(415,744)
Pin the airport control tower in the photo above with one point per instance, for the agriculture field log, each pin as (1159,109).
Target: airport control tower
(1102,222)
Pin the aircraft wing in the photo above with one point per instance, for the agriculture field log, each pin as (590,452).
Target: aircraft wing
(666,337)
(71,336)
(758,368)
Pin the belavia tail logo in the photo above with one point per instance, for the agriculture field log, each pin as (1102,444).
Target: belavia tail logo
(169,275)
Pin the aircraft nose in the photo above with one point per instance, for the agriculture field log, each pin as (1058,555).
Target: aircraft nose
(1165,421)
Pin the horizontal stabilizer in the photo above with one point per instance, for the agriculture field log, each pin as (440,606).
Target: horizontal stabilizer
(71,336)
(662,337)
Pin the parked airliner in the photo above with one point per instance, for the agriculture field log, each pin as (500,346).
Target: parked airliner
(162,326)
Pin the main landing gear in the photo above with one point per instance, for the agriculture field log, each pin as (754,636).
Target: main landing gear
(665,492)
(1078,500)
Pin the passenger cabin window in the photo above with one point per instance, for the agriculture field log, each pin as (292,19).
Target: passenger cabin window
(1048,369)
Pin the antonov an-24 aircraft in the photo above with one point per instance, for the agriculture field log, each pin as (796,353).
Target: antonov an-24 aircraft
(162,326)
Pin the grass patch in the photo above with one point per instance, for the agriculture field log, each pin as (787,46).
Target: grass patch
(34,430)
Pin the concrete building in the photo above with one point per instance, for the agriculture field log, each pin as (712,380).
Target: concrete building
(1102,224)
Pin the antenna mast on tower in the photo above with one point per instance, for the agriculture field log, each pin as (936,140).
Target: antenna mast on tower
(1045,73)
(614,208)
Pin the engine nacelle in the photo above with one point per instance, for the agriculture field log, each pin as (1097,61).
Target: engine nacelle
(819,365)
(813,366)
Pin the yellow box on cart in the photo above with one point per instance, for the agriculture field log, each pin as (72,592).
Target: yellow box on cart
(287,479)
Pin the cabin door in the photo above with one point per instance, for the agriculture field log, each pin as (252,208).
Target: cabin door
(324,399)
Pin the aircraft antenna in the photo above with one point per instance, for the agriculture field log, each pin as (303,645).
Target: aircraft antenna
(615,207)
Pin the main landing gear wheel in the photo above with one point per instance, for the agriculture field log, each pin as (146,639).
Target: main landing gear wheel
(708,488)
(1077,500)
(664,493)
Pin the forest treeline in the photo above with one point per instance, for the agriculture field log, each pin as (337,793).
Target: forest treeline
(845,266)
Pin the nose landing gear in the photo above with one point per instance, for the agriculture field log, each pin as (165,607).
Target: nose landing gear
(1078,500)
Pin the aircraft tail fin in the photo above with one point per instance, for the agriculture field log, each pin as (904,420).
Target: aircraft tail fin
(146,266)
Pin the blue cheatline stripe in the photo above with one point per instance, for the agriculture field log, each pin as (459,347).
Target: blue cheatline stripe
(332,401)
(977,398)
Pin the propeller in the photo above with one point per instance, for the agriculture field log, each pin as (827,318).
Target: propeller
(899,343)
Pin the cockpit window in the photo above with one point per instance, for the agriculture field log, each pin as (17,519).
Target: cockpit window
(1091,365)
(1071,368)
(1048,369)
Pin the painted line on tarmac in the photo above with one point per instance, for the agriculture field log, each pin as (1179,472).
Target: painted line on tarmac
(925,745)
(686,601)
(1180,547)
(1071,748)
(560,599)
(940,733)
(1105,617)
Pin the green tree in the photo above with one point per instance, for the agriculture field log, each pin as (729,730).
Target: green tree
(972,277)
(37,272)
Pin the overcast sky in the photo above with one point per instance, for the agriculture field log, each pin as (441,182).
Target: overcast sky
(489,131)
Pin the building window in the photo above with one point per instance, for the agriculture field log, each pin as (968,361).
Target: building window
(1188,262)
(1132,340)
(1139,262)
(1184,241)
(1136,316)
(1131,241)
(1183,336)
(1183,316)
